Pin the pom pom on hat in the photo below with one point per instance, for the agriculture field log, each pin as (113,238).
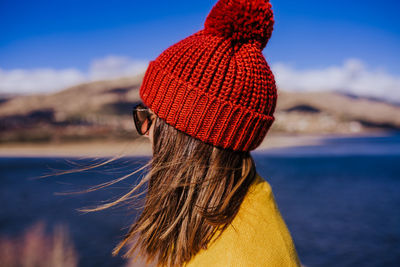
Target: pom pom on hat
(241,21)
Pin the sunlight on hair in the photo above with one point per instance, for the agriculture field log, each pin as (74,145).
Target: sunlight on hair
(192,190)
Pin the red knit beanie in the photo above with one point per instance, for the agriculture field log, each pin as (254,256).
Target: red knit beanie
(216,85)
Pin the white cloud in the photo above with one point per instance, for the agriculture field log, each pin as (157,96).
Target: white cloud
(20,81)
(352,77)
(45,80)
(115,66)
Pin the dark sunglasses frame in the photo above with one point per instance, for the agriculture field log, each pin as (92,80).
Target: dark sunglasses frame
(147,115)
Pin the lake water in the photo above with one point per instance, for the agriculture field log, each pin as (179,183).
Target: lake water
(340,201)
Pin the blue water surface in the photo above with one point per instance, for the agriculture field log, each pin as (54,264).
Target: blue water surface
(340,200)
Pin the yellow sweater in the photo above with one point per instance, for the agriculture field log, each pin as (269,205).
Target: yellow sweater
(258,236)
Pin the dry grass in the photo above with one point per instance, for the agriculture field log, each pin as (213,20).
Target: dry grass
(36,248)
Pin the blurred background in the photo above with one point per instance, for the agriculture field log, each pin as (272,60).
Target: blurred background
(70,72)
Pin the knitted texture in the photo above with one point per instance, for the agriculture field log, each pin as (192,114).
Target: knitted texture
(216,85)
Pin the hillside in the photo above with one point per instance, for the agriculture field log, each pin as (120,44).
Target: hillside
(102,110)
(330,112)
(96,110)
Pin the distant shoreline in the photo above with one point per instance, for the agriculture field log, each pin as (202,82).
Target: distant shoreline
(143,148)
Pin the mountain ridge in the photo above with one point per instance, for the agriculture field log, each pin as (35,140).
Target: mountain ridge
(102,110)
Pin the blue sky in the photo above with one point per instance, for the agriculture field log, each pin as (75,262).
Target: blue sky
(313,33)
(310,34)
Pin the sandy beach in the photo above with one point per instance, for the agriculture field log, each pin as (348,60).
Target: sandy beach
(142,146)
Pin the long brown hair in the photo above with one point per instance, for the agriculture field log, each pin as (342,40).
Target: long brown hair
(194,190)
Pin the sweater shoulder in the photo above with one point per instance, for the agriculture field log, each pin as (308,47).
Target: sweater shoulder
(257,236)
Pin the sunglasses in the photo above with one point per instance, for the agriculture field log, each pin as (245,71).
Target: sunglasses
(142,118)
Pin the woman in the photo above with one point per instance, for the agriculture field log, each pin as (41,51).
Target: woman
(209,100)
